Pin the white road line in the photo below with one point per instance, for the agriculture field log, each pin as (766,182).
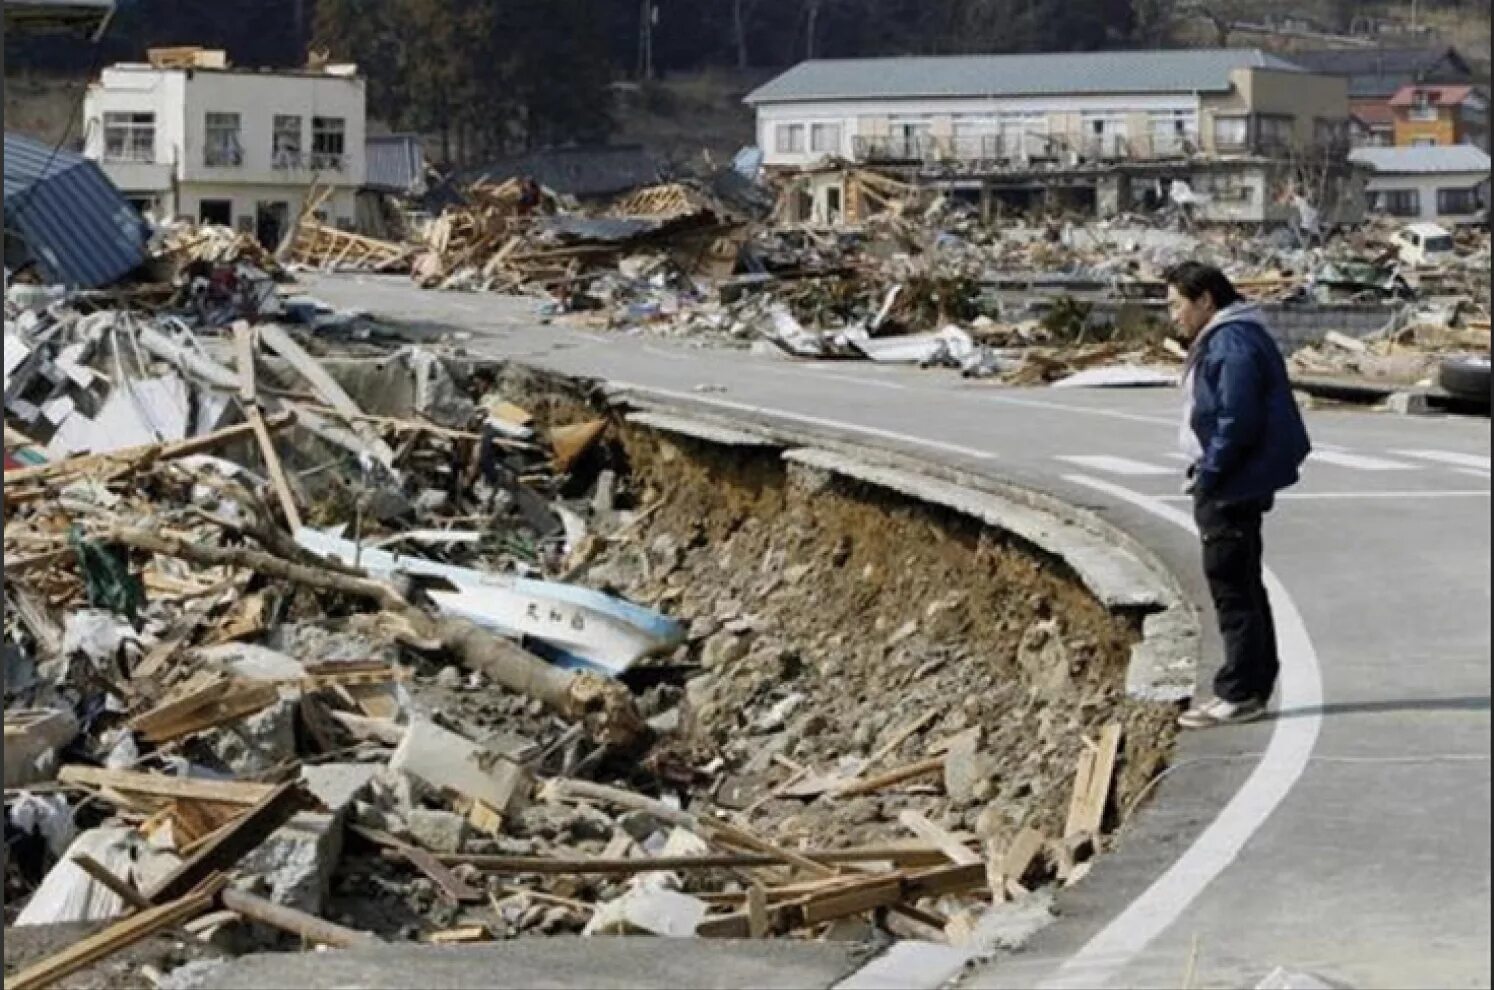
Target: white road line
(1324,496)
(665,354)
(835,424)
(1475,472)
(855,380)
(1359,462)
(1286,757)
(1116,465)
(1447,457)
(1079,410)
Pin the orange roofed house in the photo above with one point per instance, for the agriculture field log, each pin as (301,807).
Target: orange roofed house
(1439,115)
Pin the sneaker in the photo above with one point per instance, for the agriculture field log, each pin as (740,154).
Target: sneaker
(1217,711)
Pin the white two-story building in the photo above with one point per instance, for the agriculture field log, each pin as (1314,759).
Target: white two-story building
(237,147)
(1088,125)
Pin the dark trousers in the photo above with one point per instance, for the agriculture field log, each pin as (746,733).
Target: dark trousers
(1232,549)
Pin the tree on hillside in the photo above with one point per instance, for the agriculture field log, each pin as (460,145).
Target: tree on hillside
(487,76)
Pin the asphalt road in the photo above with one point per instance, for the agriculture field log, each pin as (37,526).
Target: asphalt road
(1347,836)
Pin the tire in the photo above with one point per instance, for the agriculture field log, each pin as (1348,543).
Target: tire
(1467,377)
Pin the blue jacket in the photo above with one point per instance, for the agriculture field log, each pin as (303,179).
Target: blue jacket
(1244,414)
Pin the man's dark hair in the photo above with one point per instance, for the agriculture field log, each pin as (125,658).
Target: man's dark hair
(1193,278)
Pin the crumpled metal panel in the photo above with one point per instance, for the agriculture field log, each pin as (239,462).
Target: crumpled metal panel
(73,221)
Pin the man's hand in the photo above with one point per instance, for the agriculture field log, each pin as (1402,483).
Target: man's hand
(1190,479)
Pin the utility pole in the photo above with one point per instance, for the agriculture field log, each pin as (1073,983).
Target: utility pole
(648,19)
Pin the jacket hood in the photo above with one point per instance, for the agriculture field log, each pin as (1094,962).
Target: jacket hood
(1243,311)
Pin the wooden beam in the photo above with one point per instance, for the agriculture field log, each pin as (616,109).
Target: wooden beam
(888,890)
(289,919)
(117,937)
(117,886)
(234,841)
(909,855)
(920,826)
(148,453)
(160,785)
(912,771)
(244,341)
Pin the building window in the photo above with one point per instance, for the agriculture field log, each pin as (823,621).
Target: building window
(789,139)
(1274,131)
(1424,142)
(1231,132)
(327,143)
(285,148)
(222,148)
(1458,202)
(1423,110)
(1172,130)
(1398,202)
(1329,132)
(215,211)
(824,139)
(130,137)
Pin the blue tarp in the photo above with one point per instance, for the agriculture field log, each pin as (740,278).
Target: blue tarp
(62,212)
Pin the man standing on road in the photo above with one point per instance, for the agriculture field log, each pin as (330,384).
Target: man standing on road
(1245,441)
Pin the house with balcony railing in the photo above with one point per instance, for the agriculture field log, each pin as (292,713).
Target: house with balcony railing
(187,135)
(1000,125)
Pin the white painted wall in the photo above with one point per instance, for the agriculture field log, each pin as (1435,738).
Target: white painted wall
(1426,186)
(182,98)
(868,117)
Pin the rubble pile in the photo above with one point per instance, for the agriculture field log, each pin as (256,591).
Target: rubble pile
(468,657)
(919,279)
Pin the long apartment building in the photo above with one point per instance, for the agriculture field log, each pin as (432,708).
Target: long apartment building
(237,147)
(1093,123)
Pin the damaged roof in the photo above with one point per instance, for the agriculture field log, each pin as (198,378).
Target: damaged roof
(1035,74)
(68,217)
(580,172)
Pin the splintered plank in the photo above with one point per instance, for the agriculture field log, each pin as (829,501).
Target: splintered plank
(234,841)
(116,938)
(160,785)
(953,848)
(888,890)
(1092,784)
(244,341)
(213,705)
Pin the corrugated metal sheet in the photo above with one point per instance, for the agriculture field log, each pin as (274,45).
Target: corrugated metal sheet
(73,222)
(395,164)
(1038,74)
(1424,160)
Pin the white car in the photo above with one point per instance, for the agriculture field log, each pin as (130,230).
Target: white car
(1424,244)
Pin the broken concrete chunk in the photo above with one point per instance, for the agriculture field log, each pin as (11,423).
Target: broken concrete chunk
(1010,926)
(32,739)
(640,825)
(297,861)
(258,743)
(337,785)
(438,831)
(966,768)
(724,649)
(445,760)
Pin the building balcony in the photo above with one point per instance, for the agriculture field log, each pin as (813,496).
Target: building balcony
(136,176)
(1017,151)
